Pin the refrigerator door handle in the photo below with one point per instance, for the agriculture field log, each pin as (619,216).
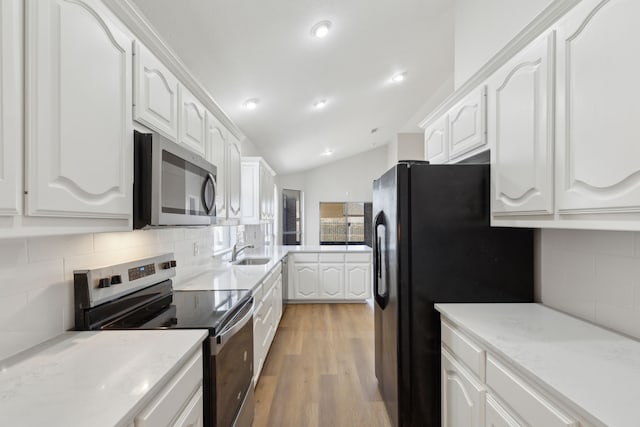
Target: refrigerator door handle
(379,274)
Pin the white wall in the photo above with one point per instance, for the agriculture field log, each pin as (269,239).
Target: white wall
(36,275)
(346,180)
(483,27)
(594,275)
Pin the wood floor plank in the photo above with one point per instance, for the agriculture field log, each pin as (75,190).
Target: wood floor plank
(320,370)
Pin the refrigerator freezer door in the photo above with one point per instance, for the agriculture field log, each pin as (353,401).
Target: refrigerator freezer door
(385,199)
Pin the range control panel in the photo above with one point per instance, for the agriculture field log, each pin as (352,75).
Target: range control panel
(99,285)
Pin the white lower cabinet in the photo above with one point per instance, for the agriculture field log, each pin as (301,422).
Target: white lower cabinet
(358,280)
(479,390)
(267,300)
(498,416)
(462,395)
(180,402)
(305,280)
(331,280)
(79,144)
(329,276)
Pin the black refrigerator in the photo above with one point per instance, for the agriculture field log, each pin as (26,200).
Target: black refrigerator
(433,243)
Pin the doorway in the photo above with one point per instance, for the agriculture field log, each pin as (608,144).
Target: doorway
(291,217)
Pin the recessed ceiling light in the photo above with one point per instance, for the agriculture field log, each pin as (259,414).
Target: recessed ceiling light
(328,152)
(251,104)
(399,77)
(321,29)
(320,104)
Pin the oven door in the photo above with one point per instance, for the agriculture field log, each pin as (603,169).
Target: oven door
(232,360)
(183,186)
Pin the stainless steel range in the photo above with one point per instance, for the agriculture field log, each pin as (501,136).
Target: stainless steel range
(139,295)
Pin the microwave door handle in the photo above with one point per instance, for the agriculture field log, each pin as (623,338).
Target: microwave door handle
(209,180)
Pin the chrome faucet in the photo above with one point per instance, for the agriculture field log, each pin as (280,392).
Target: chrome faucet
(236,251)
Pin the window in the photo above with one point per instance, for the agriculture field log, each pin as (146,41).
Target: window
(345,223)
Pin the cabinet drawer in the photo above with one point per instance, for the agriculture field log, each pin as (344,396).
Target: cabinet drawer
(464,349)
(172,399)
(193,413)
(362,257)
(331,257)
(533,408)
(305,257)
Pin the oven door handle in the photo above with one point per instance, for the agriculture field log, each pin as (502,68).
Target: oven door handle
(226,334)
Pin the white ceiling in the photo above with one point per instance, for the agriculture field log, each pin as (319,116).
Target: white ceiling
(241,49)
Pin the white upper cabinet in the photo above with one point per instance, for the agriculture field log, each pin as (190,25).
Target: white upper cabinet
(10,106)
(257,204)
(155,93)
(192,121)
(520,131)
(79,100)
(436,143)
(598,131)
(234,159)
(216,153)
(467,124)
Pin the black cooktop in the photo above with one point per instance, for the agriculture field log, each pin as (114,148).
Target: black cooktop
(186,310)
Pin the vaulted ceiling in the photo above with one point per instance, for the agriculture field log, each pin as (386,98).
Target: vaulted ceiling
(243,49)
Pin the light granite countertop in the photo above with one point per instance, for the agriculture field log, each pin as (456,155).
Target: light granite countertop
(595,369)
(91,378)
(228,276)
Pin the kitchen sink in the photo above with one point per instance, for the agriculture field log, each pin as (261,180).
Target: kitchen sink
(252,261)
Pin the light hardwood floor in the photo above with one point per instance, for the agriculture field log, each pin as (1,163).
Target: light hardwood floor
(320,370)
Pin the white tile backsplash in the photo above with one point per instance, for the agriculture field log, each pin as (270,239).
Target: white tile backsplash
(594,275)
(36,275)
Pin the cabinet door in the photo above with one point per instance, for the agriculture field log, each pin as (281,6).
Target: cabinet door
(264,215)
(277,301)
(234,177)
(332,280)
(436,145)
(497,415)
(306,280)
(216,153)
(467,124)
(598,131)
(358,281)
(155,93)
(79,100)
(10,106)
(520,131)
(462,395)
(192,122)
(250,194)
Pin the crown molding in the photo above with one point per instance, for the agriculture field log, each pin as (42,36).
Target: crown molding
(540,24)
(142,29)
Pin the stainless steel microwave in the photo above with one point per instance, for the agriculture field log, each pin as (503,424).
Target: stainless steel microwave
(172,185)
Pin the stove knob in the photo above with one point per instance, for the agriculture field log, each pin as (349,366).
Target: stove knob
(116,279)
(167,265)
(173,263)
(104,283)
